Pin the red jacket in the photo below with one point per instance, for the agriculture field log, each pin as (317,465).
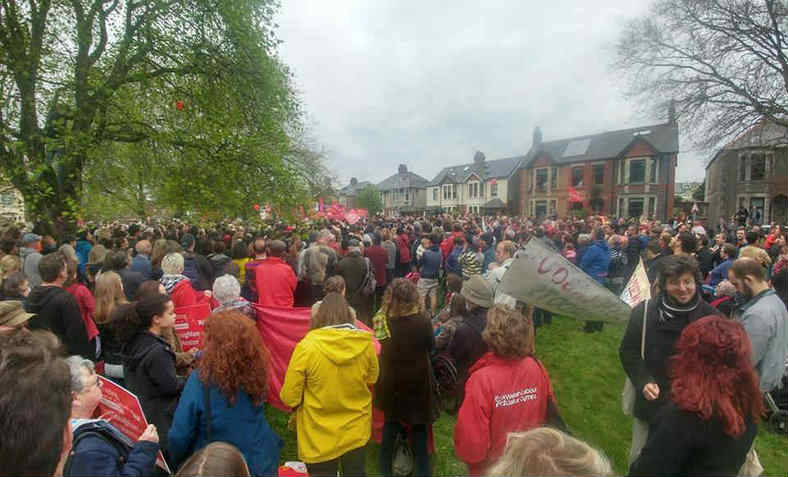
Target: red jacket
(501,396)
(87,305)
(183,294)
(448,243)
(378,256)
(403,244)
(276,283)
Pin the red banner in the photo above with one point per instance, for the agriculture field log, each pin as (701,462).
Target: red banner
(121,408)
(574,196)
(189,324)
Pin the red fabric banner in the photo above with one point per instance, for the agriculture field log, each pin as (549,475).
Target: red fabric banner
(189,324)
(574,196)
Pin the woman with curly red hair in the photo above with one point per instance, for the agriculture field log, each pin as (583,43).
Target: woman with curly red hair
(224,398)
(709,425)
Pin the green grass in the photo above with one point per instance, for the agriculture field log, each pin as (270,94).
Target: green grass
(587,378)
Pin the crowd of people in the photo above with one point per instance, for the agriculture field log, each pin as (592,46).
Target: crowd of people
(698,355)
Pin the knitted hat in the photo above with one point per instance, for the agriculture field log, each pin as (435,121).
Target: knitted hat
(13,314)
(477,291)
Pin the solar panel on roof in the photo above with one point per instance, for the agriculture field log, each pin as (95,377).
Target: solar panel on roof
(578,147)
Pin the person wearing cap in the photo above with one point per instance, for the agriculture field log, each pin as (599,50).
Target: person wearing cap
(31,255)
(13,315)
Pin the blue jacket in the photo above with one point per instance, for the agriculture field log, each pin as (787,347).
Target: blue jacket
(244,425)
(720,273)
(430,263)
(94,455)
(141,263)
(596,260)
(453,261)
(82,250)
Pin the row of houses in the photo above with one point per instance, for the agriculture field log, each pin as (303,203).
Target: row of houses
(629,172)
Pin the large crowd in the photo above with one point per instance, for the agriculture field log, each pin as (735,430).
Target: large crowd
(408,316)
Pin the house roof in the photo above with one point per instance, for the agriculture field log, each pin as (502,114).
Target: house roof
(352,189)
(498,169)
(403,180)
(662,137)
(763,134)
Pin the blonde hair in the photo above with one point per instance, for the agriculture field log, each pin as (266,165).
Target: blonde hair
(172,264)
(546,451)
(9,264)
(333,310)
(109,294)
(97,254)
(215,459)
(509,333)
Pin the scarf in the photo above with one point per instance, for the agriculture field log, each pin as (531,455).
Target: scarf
(380,321)
(669,310)
(169,281)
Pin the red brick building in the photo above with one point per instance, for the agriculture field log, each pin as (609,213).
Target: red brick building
(630,173)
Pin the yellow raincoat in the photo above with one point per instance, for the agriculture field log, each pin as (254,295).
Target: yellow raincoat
(328,381)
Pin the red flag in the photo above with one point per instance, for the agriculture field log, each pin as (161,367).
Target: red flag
(256,207)
(179,105)
(574,196)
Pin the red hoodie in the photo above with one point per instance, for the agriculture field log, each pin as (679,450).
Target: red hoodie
(276,283)
(501,396)
(183,294)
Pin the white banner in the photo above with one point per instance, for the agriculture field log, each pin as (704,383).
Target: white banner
(540,277)
(638,288)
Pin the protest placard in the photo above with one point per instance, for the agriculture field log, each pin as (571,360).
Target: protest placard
(638,288)
(543,278)
(189,324)
(121,408)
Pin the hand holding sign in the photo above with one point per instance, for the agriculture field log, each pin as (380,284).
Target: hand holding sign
(150,434)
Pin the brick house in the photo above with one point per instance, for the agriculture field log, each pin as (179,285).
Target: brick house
(751,172)
(630,172)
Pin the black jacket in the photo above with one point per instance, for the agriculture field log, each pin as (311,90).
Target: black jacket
(661,338)
(57,311)
(149,372)
(681,443)
(131,281)
(705,260)
(199,270)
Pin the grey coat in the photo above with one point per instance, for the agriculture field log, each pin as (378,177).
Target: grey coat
(766,321)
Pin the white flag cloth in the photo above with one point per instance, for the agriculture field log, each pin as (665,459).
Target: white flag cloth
(638,288)
(545,279)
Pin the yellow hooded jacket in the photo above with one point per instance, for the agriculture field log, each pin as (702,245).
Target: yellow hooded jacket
(328,381)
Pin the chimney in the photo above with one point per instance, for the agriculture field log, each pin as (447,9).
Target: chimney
(672,112)
(353,181)
(403,169)
(478,158)
(537,137)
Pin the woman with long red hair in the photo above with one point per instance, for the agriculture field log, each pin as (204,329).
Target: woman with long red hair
(224,398)
(709,425)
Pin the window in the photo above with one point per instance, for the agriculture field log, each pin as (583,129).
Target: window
(637,172)
(635,208)
(598,171)
(541,179)
(554,178)
(757,167)
(552,207)
(407,195)
(652,209)
(454,191)
(743,168)
(473,190)
(620,206)
(494,190)
(577,176)
(447,192)
(654,167)
(540,207)
(435,194)
(597,205)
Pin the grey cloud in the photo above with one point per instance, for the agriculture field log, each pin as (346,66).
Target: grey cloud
(427,85)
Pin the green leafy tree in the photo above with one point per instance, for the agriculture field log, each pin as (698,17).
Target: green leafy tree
(369,198)
(182,103)
(699,194)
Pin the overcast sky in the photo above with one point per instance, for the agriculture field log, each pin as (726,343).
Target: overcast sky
(428,83)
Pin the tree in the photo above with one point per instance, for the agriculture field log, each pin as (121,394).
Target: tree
(192,86)
(699,194)
(369,198)
(722,61)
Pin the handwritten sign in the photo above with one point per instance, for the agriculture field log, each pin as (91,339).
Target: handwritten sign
(189,324)
(121,408)
(638,288)
(540,277)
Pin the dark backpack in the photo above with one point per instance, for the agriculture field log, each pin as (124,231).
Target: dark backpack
(103,434)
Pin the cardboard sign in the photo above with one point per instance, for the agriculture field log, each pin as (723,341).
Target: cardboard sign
(121,408)
(543,278)
(189,324)
(638,288)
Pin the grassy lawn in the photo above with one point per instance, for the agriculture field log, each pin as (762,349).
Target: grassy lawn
(587,378)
